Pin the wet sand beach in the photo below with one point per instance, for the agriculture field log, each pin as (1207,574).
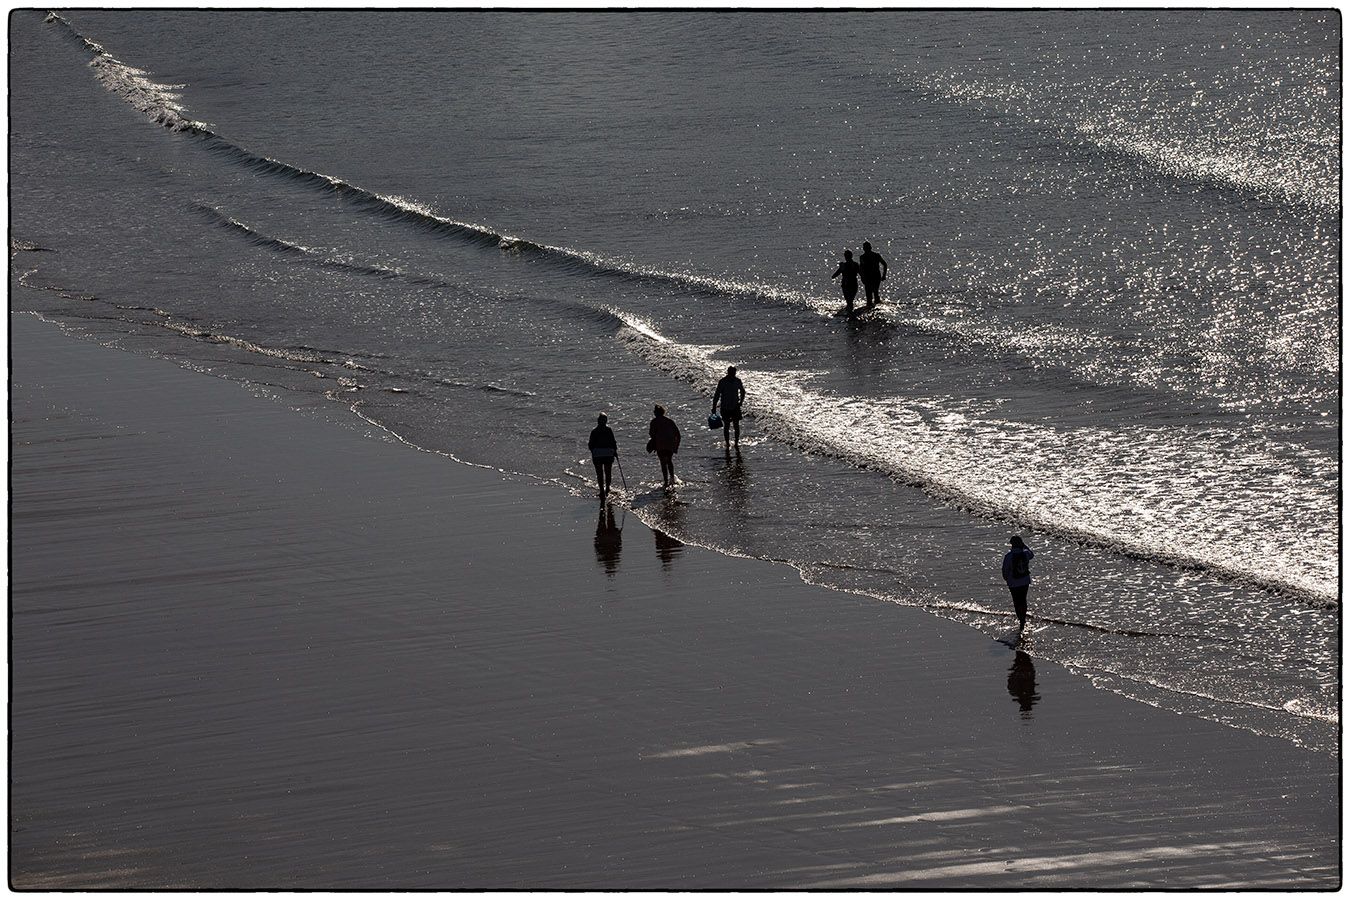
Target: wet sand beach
(255,647)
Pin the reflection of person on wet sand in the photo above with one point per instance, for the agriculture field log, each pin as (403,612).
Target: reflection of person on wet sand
(667,548)
(1022,683)
(668,523)
(608,540)
(736,478)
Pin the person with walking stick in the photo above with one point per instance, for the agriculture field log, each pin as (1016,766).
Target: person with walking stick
(604,450)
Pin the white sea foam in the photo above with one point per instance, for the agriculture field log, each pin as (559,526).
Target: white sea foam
(1179,496)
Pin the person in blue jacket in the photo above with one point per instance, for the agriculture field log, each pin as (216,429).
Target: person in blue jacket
(1017,573)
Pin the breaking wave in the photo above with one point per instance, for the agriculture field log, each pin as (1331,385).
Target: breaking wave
(161,103)
(1048,478)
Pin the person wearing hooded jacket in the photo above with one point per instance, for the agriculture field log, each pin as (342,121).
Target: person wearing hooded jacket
(1017,573)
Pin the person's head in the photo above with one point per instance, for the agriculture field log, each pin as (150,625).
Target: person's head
(660,410)
(848,254)
(867,246)
(1016,541)
(601,419)
(731,370)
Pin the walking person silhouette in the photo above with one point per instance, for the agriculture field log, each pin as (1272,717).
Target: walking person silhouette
(731,392)
(873,270)
(849,283)
(665,442)
(1017,573)
(604,450)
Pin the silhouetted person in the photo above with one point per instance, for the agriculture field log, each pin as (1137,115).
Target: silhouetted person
(873,270)
(665,442)
(1017,573)
(604,450)
(731,392)
(1022,683)
(849,283)
(608,540)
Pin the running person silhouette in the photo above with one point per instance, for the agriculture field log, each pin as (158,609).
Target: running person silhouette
(873,274)
(849,283)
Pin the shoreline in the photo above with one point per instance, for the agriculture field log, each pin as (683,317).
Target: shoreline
(257,649)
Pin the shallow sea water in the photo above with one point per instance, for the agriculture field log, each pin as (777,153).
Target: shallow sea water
(1111,322)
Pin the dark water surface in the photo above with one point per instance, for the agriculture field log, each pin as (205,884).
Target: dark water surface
(1111,323)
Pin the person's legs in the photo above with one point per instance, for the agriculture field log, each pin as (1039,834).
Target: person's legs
(873,291)
(609,473)
(1019,596)
(737,423)
(726,431)
(599,474)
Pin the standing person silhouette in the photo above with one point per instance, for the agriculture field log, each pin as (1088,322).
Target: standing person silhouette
(849,283)
(665,441)
(731,392)
(604,450)
(1017,573)
(873,274)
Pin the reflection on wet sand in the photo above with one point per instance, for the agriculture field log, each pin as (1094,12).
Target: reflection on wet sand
(669,519)
(1022,683)
(667,548)
(737,480)
(608,540)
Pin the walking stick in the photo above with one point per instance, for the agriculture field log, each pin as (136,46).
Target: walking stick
(620,462)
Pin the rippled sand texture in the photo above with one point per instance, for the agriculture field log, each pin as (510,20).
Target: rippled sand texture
(260,648)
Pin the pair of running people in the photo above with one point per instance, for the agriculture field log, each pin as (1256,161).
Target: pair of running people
(870,267)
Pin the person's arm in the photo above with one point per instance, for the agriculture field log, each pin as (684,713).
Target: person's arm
(675,430)
(740,391)
(1007,566)
(884,268)
(837,271)
(717,394)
